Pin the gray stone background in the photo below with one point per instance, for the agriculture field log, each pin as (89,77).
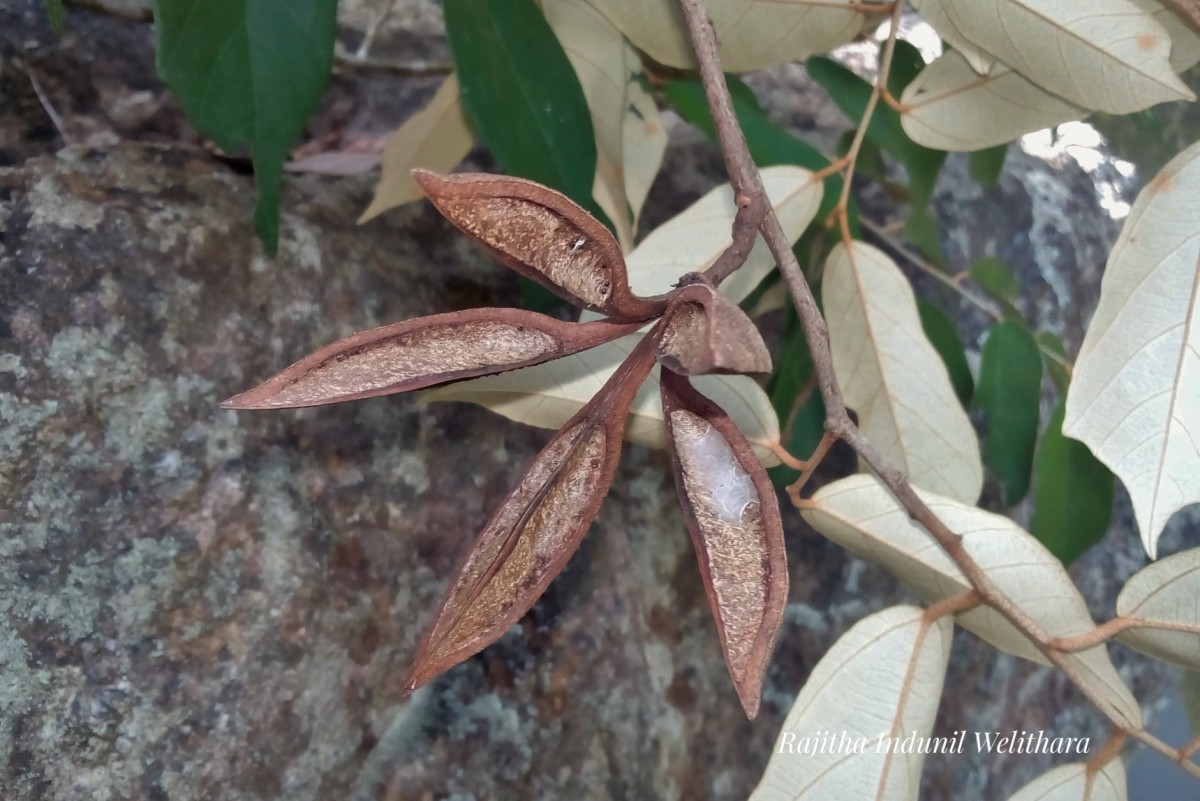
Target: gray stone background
(201,604)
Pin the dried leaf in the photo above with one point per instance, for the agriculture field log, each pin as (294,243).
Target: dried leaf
(535,531)
(1076,782)
(1168,591)
(1135,395)
(732,515)
(882,678)
(952,107)
(630,139)
(542,235)
(423,352)
(706,332)
(861,515)
(1104,55)
(752,33)
(437,138)
(893,378)
(547,395)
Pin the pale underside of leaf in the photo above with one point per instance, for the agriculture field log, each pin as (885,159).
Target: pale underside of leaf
(1185,43)
(1135,393)
(937,18)
(882,677)
(549,394)
(1168,591)
(1072,783)
(893,378)
(753,34)
(733,518)
(950,106)
(694,238)
(436,138)
(1105,55)
(861,515)
(630,138)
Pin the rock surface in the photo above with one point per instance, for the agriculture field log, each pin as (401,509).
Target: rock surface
(197,603)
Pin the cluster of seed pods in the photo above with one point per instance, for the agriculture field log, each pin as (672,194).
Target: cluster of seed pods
(728,502)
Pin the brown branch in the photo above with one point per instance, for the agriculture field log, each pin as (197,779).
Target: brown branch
(746,183)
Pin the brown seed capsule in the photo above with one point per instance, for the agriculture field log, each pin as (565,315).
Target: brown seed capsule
(733,518)
(536,530)
(544,236)
(706,332)
(420,353)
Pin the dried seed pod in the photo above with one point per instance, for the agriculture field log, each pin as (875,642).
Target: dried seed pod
(426,351)
(544,236)
(706,332)
(733,518)
(536,530)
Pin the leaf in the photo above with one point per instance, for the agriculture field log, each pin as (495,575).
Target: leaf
(752,33)
(521,94)
(248,74)
(769,145)
(851,94)
(1050,344)
(831,745)
(1009,393)
(1072,493)
(1185,43)
(892,377)
(542,235)
(630,138)
(942,334)
(694,238)
(423,352)
(732,515)
(706,332)
(951,107)
(860,514)
(1105,55)
(547,395)
(1135,394)
(535,531)
(935,15)
(922,230)
(995,278)
(1077,782)
(1167,591)
(986,165)
(54,14)
(436,138)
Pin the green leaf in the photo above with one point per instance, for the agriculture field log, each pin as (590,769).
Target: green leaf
(769,145)
(851,94)
(1058,374)
(803,424)
(1072,493)
(907,63)
(54,13)
(945,340)
(522,96)
(923,231)
(998,281)
(986,165)
(248,73)
(1009,394)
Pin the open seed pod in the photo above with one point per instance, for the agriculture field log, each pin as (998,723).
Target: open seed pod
(423,352)
(544,236)
(733,518)
(706,332)
(537,528)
